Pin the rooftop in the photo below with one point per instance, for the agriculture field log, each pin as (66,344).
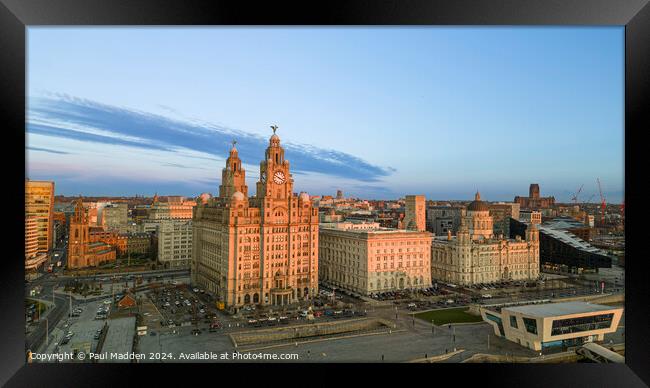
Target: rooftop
(558,309)
(564,223)
(371,228)
(569,238)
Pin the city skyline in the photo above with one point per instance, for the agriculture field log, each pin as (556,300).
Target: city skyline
(369,111)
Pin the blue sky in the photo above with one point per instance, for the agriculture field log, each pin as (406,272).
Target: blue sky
(376,112)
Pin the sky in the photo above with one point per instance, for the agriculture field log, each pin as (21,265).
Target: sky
(377,112)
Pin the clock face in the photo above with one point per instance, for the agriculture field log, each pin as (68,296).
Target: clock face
(278,177)
(263,177)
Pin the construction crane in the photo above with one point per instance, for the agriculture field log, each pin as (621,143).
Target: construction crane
(574,198)
(590,198)
(623,209)
(603,203)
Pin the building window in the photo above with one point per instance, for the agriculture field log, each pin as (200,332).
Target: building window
(513,321)
(573,325)
(531,325)
(496,319)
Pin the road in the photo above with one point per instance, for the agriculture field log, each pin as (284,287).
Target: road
(37,336)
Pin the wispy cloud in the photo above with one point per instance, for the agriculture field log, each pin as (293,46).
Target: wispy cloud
(48,150)
(69,117)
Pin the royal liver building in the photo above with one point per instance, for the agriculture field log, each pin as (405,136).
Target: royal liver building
(257,250)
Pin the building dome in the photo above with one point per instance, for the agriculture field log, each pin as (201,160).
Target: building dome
(304,197)
(477,205)
(238,196)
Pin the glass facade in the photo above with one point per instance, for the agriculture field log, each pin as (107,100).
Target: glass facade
(530,324)
(575,325)
(497,320)
(551,344)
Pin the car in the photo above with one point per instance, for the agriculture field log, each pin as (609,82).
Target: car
(152,333)
(196,290)
(196,332)
(486,296)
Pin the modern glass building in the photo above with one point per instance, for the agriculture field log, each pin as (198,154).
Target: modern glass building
(542,325)
(561,247)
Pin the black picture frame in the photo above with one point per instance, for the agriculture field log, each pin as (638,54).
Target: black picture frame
(17,15)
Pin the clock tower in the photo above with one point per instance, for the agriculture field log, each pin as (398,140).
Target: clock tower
(233,176)
(275,180)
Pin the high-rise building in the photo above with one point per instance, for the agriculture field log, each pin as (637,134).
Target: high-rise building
(501,213)
(81,251)
(33,259)
(339,194)
(39,203)
(415,217)
(115,217)
(175,243)
(442,219)
(365,258)
(257,250)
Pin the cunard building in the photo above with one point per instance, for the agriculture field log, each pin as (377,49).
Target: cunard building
(257,250)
